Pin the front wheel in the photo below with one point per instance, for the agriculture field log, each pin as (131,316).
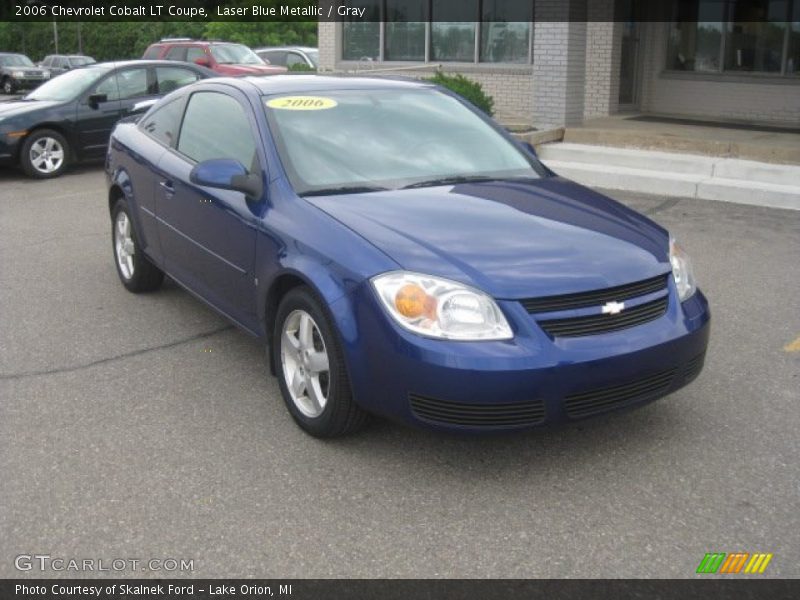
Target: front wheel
(135,270)
(44,154)
(310,367)
(8,86)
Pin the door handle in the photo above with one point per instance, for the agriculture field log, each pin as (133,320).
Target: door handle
(169,189)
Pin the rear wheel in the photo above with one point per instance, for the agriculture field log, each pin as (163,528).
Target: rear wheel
(44,154)
(135,270)
(311,370)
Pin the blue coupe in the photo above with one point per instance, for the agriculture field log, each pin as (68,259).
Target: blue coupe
(401,255)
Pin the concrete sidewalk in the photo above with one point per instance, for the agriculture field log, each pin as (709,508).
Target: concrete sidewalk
(679,174)
(733,162)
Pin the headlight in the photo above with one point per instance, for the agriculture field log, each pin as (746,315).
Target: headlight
(681,270)
(17,74)
(46,74)
(440,308)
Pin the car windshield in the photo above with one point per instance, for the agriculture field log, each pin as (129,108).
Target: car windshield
(80,61)
(362,140)
(68,85)
(235,54)
(314,56)
(15,60)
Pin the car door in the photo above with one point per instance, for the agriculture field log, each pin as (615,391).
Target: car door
(208,235)
(161,128)
(104,104)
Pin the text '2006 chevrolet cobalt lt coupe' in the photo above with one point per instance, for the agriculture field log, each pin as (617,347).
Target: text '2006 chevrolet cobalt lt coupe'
(401,255)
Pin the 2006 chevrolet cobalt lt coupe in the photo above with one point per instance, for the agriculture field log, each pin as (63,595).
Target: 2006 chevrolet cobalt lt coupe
(401,255)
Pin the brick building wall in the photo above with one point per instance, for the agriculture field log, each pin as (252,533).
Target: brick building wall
(751,99)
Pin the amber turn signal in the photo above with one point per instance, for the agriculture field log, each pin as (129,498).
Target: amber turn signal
(413,302)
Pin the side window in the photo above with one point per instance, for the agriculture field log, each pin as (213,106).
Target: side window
(60,62)
(292,58)
(176,53)
(163,124)
(152,53)
(48,61)
(172,78)
(216,126)
(275,58)
(124,85)
(194,53)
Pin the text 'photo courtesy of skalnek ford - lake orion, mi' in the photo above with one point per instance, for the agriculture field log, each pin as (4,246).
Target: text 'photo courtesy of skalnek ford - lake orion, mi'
(400,298)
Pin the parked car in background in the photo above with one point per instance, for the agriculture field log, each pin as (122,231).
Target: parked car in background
(69,118)
(221,57)
(289,56)
(17,72)
(399,253)
(61,63)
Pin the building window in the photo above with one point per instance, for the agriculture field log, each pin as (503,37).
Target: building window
(492,31)
(405,29)
(361,36)
(735,36)
(793,57)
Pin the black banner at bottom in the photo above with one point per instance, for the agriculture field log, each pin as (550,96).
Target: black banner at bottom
(391,589)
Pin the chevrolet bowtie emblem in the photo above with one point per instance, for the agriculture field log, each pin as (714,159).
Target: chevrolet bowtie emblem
(612,308)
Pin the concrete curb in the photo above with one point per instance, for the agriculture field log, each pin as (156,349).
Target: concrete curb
(687,175)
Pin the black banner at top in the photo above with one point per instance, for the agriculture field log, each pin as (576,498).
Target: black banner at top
(393,10)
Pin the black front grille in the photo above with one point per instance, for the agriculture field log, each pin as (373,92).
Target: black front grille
(594,324)
(619,293)
(584,404)
(693,367)
(477,415)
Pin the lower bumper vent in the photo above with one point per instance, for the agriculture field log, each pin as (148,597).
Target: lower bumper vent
(600,400)
(477,415)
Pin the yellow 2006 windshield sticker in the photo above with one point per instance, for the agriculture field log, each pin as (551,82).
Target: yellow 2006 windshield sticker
(301,103)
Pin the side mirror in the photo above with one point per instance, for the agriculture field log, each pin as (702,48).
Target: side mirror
(227,174)
(529,147)
(202,61)
(96,99)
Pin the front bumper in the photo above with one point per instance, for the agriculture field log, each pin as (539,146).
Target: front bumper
(532,380)
(28,83)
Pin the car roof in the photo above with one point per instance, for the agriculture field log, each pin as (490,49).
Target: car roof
(195,43)
(274,48)
(12,54)
(281,84)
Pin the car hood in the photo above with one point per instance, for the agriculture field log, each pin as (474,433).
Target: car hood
(13,108)
(511,239)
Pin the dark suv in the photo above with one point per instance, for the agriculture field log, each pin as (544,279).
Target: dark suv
(224,58)
(17,71)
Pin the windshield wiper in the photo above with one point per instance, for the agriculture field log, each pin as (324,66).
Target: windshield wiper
(450,181)
(344,189)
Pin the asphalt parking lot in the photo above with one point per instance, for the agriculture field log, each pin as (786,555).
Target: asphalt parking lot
(146,427)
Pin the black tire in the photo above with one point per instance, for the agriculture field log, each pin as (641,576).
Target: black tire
(8,86)
(146,277)
(39,170)
(340,415)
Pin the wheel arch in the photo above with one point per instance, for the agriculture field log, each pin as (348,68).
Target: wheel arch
(329,290)
(58,128)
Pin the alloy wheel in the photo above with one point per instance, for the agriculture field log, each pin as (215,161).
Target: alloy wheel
(123,245)
(304,360)
(46,155)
